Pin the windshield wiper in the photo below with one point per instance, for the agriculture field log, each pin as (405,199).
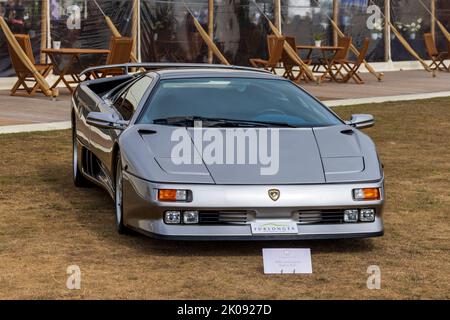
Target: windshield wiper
(181,120)
(274,123)
(219,122)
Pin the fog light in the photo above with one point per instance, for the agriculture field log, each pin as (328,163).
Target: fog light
(351,215)
(172,195)
(366,194)
(190,217)
(367,215)
(172,217)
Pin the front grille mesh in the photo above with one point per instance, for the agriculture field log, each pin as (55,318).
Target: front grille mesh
(224,217)
(328,216)
(325,216)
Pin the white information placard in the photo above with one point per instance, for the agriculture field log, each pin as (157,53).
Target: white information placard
(287,261)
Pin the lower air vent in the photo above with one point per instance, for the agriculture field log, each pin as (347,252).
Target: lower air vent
(330,216)
(224,217)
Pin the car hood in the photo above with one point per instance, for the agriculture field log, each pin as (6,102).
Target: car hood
(292,155)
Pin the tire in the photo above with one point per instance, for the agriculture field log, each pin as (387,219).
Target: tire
(118,198)
(78,179)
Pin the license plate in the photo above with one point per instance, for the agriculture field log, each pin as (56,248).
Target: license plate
(274,227)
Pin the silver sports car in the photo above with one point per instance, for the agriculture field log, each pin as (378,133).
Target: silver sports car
(195,151)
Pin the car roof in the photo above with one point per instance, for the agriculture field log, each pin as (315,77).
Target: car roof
(180,73)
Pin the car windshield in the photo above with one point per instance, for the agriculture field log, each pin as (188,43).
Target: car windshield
(223,101)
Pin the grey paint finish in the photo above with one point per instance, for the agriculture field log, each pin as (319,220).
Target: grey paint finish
(343,148)
(342,165)
(299,161)
(143,156)
(219,73)
(318,169)
(325,156)
(144,211)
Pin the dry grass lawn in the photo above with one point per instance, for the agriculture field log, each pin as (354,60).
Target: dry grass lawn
(46,224)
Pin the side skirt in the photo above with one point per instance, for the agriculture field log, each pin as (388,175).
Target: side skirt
(92,169)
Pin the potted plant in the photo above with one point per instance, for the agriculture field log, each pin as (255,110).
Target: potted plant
(413,27)
(56,44)
(318,39)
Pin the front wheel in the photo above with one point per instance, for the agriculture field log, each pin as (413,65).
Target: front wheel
(119,198)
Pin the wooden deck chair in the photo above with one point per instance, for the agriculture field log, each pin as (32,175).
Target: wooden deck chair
(289,64)
(352,67)
(23,73)
(275,47)
(437,58)
(335,63)
(120,53)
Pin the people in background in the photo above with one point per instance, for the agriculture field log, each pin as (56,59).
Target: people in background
(2,9)
(56,10)
(14,14)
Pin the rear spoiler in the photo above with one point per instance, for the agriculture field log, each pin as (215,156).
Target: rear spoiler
(164,65)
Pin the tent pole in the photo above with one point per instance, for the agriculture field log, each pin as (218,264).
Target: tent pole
(49,33)
(336,20)
(277,13)
(387,31)
(210,28)
(44,29)
(138,56)
(433,19)
(134,26)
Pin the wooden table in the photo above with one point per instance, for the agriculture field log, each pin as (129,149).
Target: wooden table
(328,53)
(68,67)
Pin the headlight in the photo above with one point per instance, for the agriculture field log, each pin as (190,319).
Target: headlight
(366,194)
(172,217)
(367,215)
(190,217)
(351,215)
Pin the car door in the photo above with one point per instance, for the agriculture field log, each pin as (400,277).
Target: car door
(83,103)
(123,105)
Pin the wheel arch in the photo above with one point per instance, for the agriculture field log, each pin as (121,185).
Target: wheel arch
(72,117)
(115,152)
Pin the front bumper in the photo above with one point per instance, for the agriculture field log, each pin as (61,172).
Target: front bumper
(144,213)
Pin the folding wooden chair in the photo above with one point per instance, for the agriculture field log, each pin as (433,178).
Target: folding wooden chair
(289,64)
(23,73)
(352,67)
(333,66)
(120,52)
(437,58)
(275,47)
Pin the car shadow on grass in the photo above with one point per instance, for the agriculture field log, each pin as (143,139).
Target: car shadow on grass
(245,248)
(97,213)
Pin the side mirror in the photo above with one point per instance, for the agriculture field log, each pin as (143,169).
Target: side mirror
(361,121)
(105,121)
